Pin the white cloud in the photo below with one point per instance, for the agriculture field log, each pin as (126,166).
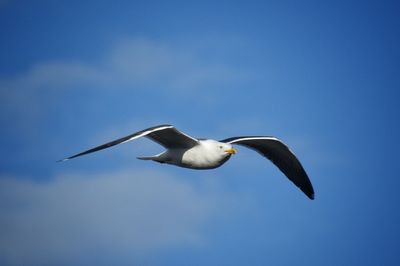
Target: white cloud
(171,68)
(130,62)
(125,214)
(131,65)
(138,60)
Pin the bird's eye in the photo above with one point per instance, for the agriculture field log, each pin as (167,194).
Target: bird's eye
(220,147)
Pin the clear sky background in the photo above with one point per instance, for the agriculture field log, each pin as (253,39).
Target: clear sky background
(321,75)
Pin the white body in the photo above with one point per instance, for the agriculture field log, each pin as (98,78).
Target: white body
(207,155)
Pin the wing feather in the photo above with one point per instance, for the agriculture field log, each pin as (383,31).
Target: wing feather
(280,154)
(166,135)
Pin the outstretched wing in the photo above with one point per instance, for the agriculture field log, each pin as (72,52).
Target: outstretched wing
(166,135)
(276,151)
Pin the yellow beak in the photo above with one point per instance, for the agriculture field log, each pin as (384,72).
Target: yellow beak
(231,151)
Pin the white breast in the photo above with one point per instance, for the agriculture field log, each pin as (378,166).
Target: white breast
(204,156)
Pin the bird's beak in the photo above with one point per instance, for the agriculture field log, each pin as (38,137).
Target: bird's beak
(231,151)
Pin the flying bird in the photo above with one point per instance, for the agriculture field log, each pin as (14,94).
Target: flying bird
(185,151)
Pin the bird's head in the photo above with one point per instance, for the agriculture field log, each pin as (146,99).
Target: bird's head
(226,148)
(218,150)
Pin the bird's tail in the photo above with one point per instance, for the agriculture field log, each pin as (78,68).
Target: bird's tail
(157,158)
(148,158)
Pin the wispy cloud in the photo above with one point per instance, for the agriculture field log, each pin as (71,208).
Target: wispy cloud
(126,214)
(143,61)
(132,65)
(130,62)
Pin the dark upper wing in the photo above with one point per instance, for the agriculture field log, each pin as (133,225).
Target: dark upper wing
(166,135)
(281,156)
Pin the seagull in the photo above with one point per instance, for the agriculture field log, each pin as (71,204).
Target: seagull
(185,151)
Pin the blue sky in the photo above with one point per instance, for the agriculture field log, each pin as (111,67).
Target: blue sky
(323,77)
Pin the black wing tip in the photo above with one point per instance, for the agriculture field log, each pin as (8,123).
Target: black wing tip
(309,192)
